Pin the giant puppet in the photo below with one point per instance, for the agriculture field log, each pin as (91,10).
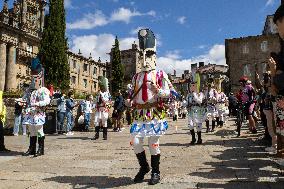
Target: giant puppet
(150,88)
(221,101)
(37,97)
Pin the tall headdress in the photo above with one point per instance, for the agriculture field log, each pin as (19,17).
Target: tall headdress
(218,83)
(37,74)
(103,83)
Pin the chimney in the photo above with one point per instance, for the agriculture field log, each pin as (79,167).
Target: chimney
(201,64)
(175,72)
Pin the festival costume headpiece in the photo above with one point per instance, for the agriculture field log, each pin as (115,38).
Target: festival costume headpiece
(218,83)
(103,83)
(37,74)
(147,45)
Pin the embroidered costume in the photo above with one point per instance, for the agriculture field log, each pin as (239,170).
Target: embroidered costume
(211,98)
(36,98)
(151,86)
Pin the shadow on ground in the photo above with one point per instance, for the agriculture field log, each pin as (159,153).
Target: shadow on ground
(244,165)
(84,182)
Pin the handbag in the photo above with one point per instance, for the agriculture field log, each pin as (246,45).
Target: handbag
(81,120)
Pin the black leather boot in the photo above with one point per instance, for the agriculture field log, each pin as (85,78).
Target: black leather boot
(207,126)
(40,150)
(199,140)
(105,133)
(97,135)
(193,139)
(144,167)
(32,147)
(213,125)
(155,164)
(218,121)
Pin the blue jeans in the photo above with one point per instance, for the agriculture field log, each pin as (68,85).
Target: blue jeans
(87,120)
(17,123)
(60,120)
(70,121)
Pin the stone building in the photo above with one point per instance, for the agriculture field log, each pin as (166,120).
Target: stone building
(129,59)
(84,72)
(21,30)
(247,56)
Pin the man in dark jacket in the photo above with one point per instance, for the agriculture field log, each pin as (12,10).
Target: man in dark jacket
(118,111)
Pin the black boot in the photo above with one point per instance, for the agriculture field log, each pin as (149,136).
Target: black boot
(199,140)
(97,135)
(144,167)
(218,121)
(105,133)
(221,123)
(40,150)
(32,147)
(213,125)
(193,139)
(207,126)
(155,176)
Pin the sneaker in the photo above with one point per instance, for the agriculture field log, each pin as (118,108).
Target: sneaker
(69,134)
(16,134)
(24,134)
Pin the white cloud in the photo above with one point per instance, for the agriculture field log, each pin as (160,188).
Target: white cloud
(269,2)
(216,55)
(92,20)
(98,45)
(68,4)
(181,20)
(125,15)
(89,21)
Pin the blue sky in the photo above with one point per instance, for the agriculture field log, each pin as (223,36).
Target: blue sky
(188,31)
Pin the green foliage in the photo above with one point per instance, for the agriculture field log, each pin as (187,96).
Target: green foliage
(117,69)
(12,94)
(53,47)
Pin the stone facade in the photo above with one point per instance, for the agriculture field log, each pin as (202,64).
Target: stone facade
(20,34)
(247,56)
(20,31)
(84,73)
(129,59)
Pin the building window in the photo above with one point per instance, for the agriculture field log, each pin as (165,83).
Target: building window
(73,80)
(85,82)
(85,67)
(263,46)
(247,70)
(245,49)
(74,64)
(95,71)
(104,73)
(95,85)
(29,48)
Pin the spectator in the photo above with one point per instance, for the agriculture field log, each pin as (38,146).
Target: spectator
(118,111)
(2,120)
(18,118)
(233,101)
(86,108)
(61,113)
(70,105)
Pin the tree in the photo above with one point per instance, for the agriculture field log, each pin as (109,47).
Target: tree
(53,47)
(117,70)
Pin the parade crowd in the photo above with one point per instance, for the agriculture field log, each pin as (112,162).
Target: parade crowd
(151,99)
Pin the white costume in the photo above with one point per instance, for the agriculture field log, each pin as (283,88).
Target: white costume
(102,105)
(151,86)
(221,107)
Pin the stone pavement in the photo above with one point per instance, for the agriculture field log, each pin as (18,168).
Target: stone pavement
(223,161)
